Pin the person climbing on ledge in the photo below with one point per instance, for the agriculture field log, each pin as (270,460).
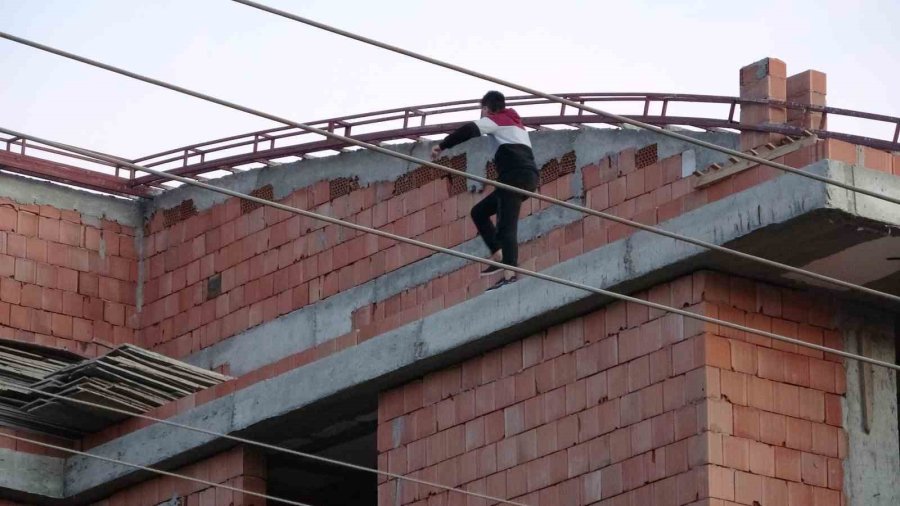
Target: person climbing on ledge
(515,166)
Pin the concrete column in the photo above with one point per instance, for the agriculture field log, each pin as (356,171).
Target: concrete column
(869,410)
(808,88)
(766,79)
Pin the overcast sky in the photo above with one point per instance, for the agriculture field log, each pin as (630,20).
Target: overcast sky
(285,68)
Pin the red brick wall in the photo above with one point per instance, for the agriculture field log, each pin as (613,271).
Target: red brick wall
(627,404)
(239,467)
(786,441)
(316,264)
(272,262)
(270,265)
(652,194)
(56,289)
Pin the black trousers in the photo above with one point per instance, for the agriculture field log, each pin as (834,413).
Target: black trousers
(506,205)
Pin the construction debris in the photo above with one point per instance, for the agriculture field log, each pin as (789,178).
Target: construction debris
(23,364)
(127,378)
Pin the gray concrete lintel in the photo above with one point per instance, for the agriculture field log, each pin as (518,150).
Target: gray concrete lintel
(27,474)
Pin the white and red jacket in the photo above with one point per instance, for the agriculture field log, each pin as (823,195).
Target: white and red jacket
(508,135)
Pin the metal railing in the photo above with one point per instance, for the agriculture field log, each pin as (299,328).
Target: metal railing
(46,162)
(266,146)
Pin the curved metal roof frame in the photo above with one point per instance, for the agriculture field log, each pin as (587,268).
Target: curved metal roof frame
(265,146)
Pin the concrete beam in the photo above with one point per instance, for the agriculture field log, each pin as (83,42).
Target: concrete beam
(24,474)
(873,461)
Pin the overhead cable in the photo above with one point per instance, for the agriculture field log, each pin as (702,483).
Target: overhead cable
(496,184)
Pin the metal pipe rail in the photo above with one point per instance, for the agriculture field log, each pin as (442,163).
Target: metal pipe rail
(35,159)
(411,123)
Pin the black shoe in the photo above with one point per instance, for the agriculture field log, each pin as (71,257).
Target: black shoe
(490,270)
(503,282)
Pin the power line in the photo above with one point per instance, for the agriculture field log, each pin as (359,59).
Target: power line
(571,103)
(496,184)
(459,254)
(154,470)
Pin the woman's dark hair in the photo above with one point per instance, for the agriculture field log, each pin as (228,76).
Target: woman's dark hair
(494,101)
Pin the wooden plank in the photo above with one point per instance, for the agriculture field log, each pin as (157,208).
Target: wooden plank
(204,382)
(127,378)
(164,386)
(122,392)
(7,357)
(54,353)
(104,400)
(149,355)
(155,372)
(21,420)
(712,175)
(125,382)
(71,416)
(151,396)
(144,398)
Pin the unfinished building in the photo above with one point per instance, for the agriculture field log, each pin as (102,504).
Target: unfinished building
(246,320)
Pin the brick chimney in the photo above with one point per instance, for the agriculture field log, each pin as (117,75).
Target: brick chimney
(766,79)
(807,88)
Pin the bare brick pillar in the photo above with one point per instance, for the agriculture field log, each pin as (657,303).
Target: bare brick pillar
(807,88)
(765,79)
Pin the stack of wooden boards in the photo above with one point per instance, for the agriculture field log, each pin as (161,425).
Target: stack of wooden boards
(23,364)
(128,378)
